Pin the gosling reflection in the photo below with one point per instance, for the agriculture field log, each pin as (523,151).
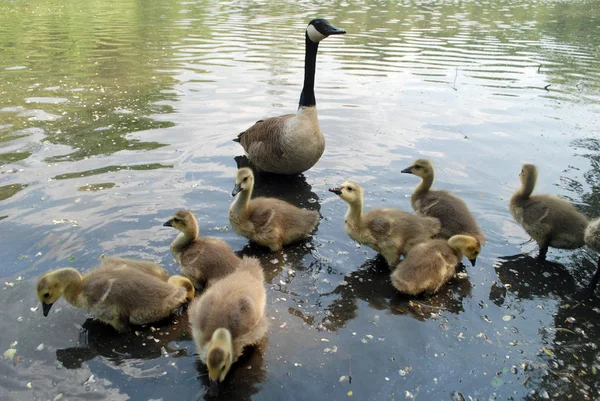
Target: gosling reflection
(243,379)
(528,277)
(371,283)
(149,342)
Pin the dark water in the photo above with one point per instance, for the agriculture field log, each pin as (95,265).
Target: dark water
(113,114)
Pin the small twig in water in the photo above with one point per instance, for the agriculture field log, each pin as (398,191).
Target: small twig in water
(546,87)
(539,68)
(350,370)
(453,86)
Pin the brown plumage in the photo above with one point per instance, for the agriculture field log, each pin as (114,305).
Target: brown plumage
(453,213)
(429,265)
(391,232)
(118,295)
(145,266)
(229,316)
(267,221)
(550,220)
(203,260)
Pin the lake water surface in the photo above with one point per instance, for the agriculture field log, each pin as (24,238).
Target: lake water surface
(116,113)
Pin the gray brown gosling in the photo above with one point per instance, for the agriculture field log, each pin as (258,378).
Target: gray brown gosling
(292,143)
(229,316)
(203,260)
(429,265)
(267,221)
(550,220)
(391,232)
(453,213)
(117,295)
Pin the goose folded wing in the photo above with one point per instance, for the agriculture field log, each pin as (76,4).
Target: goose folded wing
(264,137)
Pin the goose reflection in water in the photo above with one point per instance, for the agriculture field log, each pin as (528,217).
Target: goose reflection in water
(147,342)
(371,283)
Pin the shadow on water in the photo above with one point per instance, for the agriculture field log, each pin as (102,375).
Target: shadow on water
(147,342)
(371,283)
(529,277)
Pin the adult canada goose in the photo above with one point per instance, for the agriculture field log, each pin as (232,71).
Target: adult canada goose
(550,220)
(292,143)
(453,213)
(118,296)
(229,316)
(267,221)
(202,259)
(429,265)
(391,232)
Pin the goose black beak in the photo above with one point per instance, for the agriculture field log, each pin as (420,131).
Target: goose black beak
(407,170)
(46,308)
(332,30)
(336,190)
(168,223)
(213,389)
(473,261)
(236,190)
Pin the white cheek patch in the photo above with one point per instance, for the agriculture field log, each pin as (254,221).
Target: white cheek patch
(314,35)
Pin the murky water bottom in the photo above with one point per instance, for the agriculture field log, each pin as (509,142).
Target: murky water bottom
(115,114)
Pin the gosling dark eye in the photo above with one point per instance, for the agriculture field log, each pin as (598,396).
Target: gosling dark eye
(417,167)
(46,295)
(245,179)
(350,189)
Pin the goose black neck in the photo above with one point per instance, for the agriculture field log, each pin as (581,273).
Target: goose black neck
(307,98)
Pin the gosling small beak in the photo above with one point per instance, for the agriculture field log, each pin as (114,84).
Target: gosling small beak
(168,223)
(473,261)
(336,190)
(46,308)
(236,190)
(407,170)
(213,389)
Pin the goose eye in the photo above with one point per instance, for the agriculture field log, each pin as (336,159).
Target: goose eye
(350,189)
(46,295)
(245,179)
(417,167)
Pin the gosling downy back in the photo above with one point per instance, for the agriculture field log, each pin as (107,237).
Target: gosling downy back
(267,221)
(429,265)
(453,213)
(229,316)
(145,266)
(203,260)
(391,232)
(550,220)
(118,296)
(292,144)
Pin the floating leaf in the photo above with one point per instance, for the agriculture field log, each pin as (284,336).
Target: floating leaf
(547,351)
(497,382)
(71,259)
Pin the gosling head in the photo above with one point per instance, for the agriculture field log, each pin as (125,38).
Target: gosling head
(467,245)
(181,281)
(184,221)
(421,168)
(219,356)
(49,289)
(319,28)
(244,181)
(350,191)
(528,174)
